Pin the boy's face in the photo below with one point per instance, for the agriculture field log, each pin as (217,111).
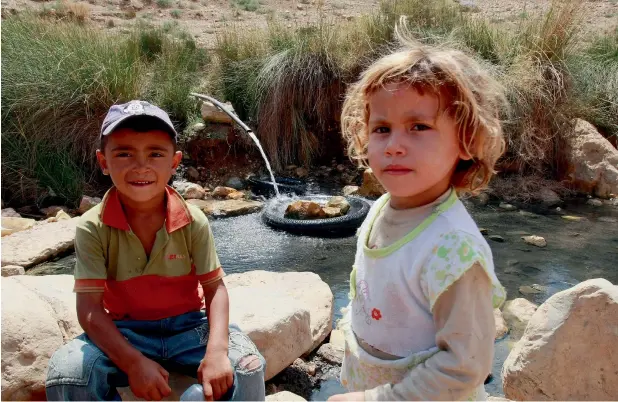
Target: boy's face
(140,164)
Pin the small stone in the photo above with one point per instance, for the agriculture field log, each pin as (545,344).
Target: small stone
(10,213)
(302,172)
(482,199)
(501,328)
(339,202)
(62,216)
(535,240)
(87,203)
(222,192)
(331,354)
(496,238)
(235,183)
(52,211)
(507,207)
(594,202)
(607,219)
(300,7)
(192,173)
(484,231)
(304,210)
(340,168)
(332,212)
(350,190)
(530,290)
(235,195)
(12,270)
(572,218)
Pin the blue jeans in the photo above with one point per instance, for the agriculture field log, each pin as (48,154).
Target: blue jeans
(79,370)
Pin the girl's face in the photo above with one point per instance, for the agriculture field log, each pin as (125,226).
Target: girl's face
(413,146)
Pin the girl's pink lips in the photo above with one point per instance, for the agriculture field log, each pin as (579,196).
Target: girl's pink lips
(396,170)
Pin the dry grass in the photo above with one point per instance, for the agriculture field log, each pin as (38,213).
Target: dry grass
(69,11)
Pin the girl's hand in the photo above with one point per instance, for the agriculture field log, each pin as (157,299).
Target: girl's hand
(350,396)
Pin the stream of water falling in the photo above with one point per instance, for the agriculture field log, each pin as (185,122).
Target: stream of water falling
(249,132)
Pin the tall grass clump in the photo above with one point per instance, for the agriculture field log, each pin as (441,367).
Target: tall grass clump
(58,81)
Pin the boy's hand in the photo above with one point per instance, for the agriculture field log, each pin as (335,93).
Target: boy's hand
(215,374)
(350,396)
(148,380)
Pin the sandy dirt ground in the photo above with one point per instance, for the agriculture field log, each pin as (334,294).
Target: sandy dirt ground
(205,18)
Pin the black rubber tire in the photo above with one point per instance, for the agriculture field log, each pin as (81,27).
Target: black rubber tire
(339,226)
(286,186)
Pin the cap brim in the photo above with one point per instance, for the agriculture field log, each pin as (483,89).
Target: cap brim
(110,129)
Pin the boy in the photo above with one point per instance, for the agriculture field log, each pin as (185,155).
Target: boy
(142,255)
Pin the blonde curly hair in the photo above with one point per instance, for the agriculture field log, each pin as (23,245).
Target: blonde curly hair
(466,91)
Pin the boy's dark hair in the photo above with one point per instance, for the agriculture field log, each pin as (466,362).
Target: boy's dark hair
(141,124)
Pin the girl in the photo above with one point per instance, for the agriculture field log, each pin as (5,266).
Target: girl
(420,323)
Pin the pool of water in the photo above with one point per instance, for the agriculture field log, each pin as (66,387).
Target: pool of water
(576,251)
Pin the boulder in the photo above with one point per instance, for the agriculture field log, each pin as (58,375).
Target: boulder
(213,114)
(87,203)
(350,190)
(12,270)
(38,244)
(11,225)
(517,313)
(193,173)
(188,190)
(305,287)
(304,210)
(284,396)
(371,187)
(547,197)
(331,353)
(535,240)
(592,161)
(501,328)
(569,349)
(227,208)
(10,213)
(285,314)
(339,202)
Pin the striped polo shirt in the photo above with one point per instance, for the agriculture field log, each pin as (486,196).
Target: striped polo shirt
(112,260)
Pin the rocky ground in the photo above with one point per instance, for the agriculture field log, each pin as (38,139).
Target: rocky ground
(205,18)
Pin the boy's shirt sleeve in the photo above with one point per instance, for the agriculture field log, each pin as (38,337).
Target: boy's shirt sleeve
(90,268)
(207,266)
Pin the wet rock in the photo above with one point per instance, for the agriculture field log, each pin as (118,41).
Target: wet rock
(304,210)
(332,212)
(12,270)
(350,190)
(284,396)
(572,218)
(557,358)
(87,203)
(482,199)
(188,190)
(38,244)
(236,183)
(223,192)
(532,290)
(547,197)
(535,240)
(12,225)
(193,173)
(594,202)
(517,313)
(213,114)
(507,207)
(607,219)
(10,213)
(371,187)
(339,202)
(528,214)
(52,211)
(484,231)
(331,354)
(301,172)
(227,208)
(496,238)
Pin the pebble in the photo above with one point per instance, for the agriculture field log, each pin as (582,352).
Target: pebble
(532,290)
(607,219)
(507,207)
(484,231)
(594,202)
(496,238)
(535,240)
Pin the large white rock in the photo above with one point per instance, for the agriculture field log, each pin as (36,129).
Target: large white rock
(189,191)
(11,225)
(306,287)
(284,396)
(277,324)
(569,350)
(38,244)
(285,314)
(592,161)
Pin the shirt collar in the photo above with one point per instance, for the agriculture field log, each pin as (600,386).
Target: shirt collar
(177,215)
